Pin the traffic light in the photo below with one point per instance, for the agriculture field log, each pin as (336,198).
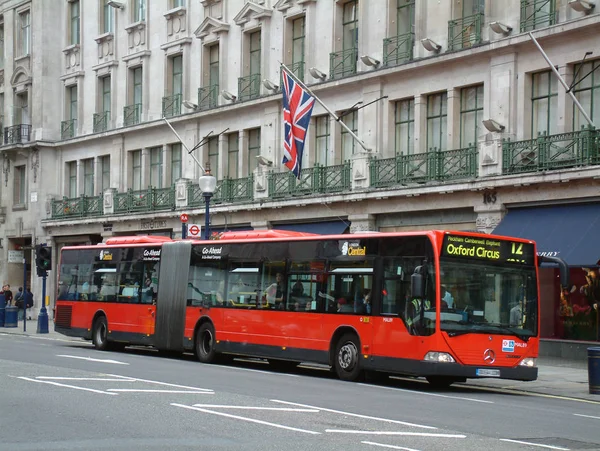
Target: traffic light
(43,259)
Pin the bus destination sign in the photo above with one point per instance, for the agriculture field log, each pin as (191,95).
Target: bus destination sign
(488,249)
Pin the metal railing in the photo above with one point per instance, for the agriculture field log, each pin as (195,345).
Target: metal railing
(68,128)
(227,191)
(132,114)
(548,152)
(398,49)
(208,97)
(171,105)
(537,13)
(150,199)
(17,134)
(297,69)
(76,207)
(464,32)
(101,121)
(343,63)
(315,180)
(249,87)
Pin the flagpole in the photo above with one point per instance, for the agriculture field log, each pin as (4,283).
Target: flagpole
(183,144)
(293,76)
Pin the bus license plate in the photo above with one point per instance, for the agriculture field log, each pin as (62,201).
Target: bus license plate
(487,372)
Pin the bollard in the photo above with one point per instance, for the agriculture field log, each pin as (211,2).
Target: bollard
(10,317)
(594,370)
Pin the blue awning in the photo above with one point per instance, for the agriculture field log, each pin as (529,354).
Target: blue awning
(322,228)
(571,232)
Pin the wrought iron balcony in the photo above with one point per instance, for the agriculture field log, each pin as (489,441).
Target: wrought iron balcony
(150,199)
(101,121)
(208,97)
(249,87)
(398,49)
(16,134)
(297,69)
(315,180)
(227,190)
(132,114)
(68,128)
(465,32)
(548,152)
(77,207)
(171,105)
(343,63)
(537,13)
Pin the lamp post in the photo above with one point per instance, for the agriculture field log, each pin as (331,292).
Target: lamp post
(207,183)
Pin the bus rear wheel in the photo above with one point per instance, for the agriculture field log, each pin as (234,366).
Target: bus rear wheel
(205,343)
(100,334)
(347,358)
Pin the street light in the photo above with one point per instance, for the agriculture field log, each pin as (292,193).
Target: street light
(207,183)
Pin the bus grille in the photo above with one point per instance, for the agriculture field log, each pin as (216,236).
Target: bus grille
(63,316)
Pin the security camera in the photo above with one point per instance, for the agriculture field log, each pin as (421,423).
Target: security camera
(115,4)
(500,28)
(190,105)
(316,73)
(492,126)
(430,45)
(270,85)
(369,61)
(228,96)
(264,161)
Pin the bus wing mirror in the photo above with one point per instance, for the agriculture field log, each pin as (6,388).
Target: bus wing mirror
(417,286)
(563,268)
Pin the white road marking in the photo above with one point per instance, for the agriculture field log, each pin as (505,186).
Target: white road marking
(142,390)
(534,444)
(420,393)
(260,371)
(251,420)
(411,434)
(98,379)
(166,384)
(386,420)
(90,359)
(388,446)
(279,409)
(586,416)
(66,386)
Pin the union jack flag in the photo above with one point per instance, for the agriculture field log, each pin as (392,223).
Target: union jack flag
(297,109)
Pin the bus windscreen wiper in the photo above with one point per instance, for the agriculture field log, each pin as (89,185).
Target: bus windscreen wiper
(510,331)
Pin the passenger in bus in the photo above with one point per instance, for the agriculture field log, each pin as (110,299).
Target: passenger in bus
(367,301)
(298,288)
(276,290)
(343,307)
(148,294)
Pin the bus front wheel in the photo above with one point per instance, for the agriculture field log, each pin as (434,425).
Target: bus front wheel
(347,358)
(100,334)
(205,343)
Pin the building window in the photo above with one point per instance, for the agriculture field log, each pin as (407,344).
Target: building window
(21,109)
(298,45)
(72,178)
(105,173)
(213,72)
(105,94)
(88,177)
(74,22)
(177,75)
(437,127)
(322,140)
(348,141)
(350,25)
(139,10)
(177,3)
(72,108)
(108,18)
(587,91)
(1,46)
(233,154)
(213,154)
(136,170)
(156,167)
(405,127)
(19,191)
(25,32)
(255,53)
(471,115)
(175,162)
(253,149)
(544,103)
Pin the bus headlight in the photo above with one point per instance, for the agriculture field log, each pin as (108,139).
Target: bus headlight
(530,362)
(442,357)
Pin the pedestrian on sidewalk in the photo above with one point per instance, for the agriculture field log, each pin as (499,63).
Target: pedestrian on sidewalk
(8,296)
(28,298)
(19,304)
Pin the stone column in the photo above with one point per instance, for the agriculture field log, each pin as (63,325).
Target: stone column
(360,170)
(108,203)
(420,124)
(181,193)
(489,215)
(362,223)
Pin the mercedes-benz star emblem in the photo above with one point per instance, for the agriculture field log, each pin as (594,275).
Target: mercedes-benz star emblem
(489,356)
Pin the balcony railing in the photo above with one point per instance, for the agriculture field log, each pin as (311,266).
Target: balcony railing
(77,207)
(171,105)
(343,63)
(547,152)
(249,87)
(16,134)
(465,32)
(434,165)
(150,199)
(101,121)
(315,180)
(132,114)
(227,190)
(297,69)
(537,13)
(208,97)
(398,49)
(68,128)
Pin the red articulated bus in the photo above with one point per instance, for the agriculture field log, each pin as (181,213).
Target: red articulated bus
(443,305)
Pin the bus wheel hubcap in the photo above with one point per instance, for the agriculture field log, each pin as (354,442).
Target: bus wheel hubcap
(348,356)
(207,342)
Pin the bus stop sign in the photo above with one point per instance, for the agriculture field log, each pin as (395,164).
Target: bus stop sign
(184,217)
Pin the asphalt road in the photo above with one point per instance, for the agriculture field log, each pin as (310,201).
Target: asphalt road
(64,395)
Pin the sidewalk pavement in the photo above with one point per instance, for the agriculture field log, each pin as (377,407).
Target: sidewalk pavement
(556,376)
